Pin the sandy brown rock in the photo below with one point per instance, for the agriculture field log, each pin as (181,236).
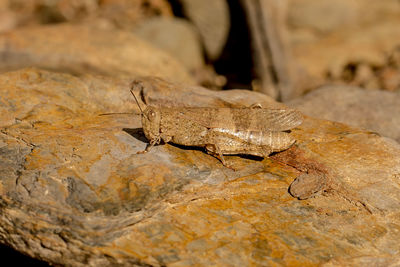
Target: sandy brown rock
(85,49)
(74,191)
(376,110)
(115,13)
(176,36)
(211,18)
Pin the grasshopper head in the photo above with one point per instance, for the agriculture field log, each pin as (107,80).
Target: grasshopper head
(151,118)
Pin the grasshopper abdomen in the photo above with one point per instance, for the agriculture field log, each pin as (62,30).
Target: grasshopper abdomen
(257,143)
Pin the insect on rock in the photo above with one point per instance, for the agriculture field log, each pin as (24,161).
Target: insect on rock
(221,131)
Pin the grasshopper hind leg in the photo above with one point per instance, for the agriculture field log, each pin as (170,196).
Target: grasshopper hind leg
(214,150)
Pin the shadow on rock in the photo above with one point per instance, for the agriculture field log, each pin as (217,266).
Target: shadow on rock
(137,133)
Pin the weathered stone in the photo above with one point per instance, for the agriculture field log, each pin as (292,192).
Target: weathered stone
(176,36)
(84,49)
(373,110)
(74,192)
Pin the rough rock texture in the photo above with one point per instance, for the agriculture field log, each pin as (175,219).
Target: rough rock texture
(373,110)
(74,191)
(84,49)
(175,36)
(328,36)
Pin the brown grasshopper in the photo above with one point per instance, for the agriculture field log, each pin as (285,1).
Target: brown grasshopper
(221,131)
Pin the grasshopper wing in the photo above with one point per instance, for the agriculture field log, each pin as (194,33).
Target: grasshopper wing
(275,119)
(248,119)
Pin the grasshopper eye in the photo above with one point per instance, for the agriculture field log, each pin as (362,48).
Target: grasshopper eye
(151,115)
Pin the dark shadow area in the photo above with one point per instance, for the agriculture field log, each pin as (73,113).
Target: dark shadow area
(11,257)
(137,133)
(177,8)
(49,15)
(251,157)
(236,62)
(202,149)
(198,148)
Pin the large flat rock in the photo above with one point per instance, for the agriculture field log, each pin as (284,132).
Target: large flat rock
(74,192)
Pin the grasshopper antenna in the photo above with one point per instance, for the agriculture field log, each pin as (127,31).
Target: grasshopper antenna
(134,96)
(123,113)
(115,113)
(137,102)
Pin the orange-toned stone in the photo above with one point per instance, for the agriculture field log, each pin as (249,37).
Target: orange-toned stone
(74,192)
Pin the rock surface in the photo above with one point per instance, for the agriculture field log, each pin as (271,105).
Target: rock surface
(74,191)
(375,110)
(85,49)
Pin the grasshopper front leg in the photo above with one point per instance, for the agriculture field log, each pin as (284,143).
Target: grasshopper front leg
(147,149)
(150,145)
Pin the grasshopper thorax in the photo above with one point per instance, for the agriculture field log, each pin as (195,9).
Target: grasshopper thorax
(151,118)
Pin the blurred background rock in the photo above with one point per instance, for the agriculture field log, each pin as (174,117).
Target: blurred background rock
(282,48)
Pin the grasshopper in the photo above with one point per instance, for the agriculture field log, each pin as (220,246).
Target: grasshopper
(221,131)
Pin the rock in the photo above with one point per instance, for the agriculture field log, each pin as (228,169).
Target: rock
(377,111)
(116,13)
(126,14)
(211,17)
(271,54)
(83,49)
(176,36)
(180,39)
(7,20)
(329,37)
(322,16)
(74,192)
